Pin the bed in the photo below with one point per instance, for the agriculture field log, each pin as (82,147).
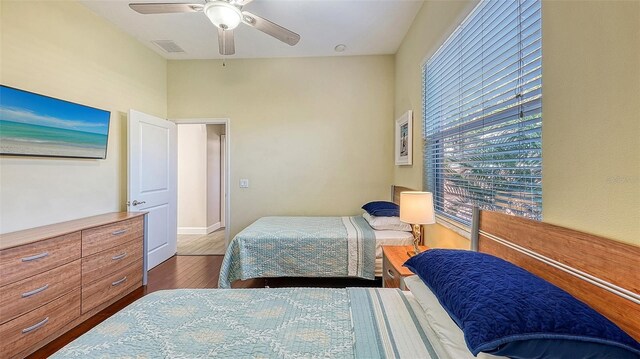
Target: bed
(299,247)
(242,323)
(388,323)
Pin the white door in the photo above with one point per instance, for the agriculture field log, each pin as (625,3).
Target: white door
(152,182)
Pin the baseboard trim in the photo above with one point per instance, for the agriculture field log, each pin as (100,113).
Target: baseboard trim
(213,227)
(199,230)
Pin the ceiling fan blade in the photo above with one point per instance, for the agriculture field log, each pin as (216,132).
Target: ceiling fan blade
(165,8)
(226,44)
(241,2)
(270,28)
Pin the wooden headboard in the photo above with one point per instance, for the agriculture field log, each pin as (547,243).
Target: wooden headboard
(603,273)
(395,193)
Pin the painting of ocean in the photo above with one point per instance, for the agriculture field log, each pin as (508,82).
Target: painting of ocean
(36,125)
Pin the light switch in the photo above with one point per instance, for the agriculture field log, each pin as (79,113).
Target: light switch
(244,183)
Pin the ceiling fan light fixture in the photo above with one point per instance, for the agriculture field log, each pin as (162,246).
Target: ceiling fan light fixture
(223,15)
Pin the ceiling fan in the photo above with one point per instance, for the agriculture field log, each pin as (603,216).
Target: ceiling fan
(226,15)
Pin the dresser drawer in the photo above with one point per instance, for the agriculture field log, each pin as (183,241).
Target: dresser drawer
(111,286)
(23,296)
(28,330)
(390,277)
(98,239)
(110,261)
(30,259)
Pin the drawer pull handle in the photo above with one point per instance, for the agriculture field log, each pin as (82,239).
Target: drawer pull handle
(119,256)
(35,291)
(119,281)
(35,257)
(119,232)
(35,326)
(390,273)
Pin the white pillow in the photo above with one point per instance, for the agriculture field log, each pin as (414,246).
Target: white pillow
(386,223)
(450,336)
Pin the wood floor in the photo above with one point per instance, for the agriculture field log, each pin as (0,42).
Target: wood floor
(202,245)
(192,272)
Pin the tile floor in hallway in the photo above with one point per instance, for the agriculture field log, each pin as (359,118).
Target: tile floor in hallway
(198,244)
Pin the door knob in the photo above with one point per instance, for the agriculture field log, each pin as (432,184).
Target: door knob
(135,202)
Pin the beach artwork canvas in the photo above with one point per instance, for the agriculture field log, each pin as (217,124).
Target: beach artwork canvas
(37,125)
(404,140)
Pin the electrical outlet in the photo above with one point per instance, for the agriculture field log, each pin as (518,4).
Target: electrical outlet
(244,183)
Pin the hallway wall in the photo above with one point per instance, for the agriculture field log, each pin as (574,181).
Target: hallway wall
(199,178)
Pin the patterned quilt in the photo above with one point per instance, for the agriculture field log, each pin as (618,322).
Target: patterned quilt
(259,323)
(301,247)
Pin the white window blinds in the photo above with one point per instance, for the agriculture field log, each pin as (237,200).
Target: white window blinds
(483,113)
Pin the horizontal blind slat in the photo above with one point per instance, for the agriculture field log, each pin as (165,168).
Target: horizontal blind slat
(482,113)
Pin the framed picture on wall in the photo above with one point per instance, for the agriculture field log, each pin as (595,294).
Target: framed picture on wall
(404,139)
(42,126)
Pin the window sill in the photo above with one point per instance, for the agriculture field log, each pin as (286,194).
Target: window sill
(457,227)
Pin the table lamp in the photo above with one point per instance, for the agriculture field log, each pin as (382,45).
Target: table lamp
(416,208)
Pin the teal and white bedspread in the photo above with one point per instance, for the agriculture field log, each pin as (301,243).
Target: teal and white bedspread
(260,323)
(301,247)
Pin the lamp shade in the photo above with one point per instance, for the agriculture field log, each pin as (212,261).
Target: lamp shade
(417,208)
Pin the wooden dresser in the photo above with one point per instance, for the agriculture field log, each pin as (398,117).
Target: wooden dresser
(52,278)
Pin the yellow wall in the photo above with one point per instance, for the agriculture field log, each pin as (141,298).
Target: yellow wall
(591,102)
(591,117)
(61,49)
(312,135)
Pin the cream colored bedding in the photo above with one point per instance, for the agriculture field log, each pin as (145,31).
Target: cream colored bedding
(389,238)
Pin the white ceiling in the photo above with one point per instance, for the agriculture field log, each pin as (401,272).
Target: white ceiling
(367,27)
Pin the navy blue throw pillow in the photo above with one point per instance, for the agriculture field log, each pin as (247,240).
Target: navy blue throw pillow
(505,310)
(382,209)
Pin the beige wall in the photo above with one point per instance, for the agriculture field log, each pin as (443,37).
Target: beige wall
(591,116)
(312,135)
(198,177)
(192,176)
(591,131)
(61,49)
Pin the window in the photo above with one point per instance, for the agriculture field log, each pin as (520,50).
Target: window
(483,114)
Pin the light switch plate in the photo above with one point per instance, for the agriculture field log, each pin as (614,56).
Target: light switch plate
(244,183)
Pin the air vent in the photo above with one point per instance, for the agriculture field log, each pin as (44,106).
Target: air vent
(168,46)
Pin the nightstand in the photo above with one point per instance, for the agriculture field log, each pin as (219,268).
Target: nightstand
(393,257)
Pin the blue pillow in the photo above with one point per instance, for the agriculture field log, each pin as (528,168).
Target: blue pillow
(505,310)
(382,209)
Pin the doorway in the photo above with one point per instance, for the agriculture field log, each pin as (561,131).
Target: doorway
(203,197)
